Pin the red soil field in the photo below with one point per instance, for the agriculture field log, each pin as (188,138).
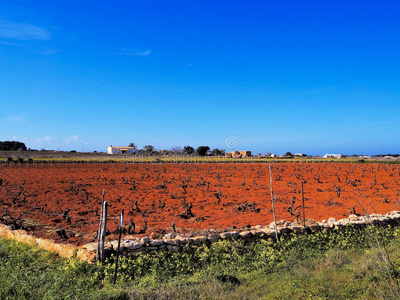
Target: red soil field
(194,196)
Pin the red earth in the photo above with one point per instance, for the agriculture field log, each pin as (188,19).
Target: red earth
(194,196)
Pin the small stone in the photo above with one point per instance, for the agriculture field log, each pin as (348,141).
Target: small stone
(245,234)
(156,243)
(314,227)
(257,233)
(213,238)
(383,219)
(182,240)
(374,220)
(153,235)
(171,242)
(197,240)
(145,240)
(357,223)
(108,247)
(282,222)
(268,232)
(143,248)
(394,217)
(114,245)
(92,247)
(229,235)
(353,217)
(170,235)
(284,230)
(298,229)
(152,248)
(173,248)
(331,222)
(133,245)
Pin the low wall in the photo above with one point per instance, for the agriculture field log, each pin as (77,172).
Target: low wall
(132,246)
(64,250)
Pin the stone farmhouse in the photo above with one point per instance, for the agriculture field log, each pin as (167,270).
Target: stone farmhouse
(120,150)
(333,156)
(238,154)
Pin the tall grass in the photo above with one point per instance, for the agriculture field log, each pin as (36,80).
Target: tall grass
(326,265)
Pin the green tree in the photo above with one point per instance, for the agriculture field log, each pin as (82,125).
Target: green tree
(132,145)
(188,150)
(148,149)
(12,145)
(202,150)
(217,152)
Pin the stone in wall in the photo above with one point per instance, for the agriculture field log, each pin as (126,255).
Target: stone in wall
(229,235)
(173,248)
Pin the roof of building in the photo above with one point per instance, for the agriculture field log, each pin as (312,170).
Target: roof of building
(121,147)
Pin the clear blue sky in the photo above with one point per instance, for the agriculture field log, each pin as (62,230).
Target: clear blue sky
(304,76)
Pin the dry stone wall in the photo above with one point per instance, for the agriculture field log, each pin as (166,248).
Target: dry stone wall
(63,250)
(131,246)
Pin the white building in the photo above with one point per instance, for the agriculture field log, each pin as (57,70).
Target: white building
(120,150)
(333,156)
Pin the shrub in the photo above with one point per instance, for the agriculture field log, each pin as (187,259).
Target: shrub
(202,150)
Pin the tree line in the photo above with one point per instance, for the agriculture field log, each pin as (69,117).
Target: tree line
(187,150)
(12,146)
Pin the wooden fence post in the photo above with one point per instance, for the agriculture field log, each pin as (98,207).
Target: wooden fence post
(101,235)
(304,209)
(273,203)
(119,244)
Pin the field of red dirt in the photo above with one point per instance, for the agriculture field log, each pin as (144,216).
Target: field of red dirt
(192,196)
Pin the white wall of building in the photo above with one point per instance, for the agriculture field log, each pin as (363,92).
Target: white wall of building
(333,156)
(119,150)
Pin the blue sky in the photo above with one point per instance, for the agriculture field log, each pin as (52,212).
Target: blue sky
(304,76)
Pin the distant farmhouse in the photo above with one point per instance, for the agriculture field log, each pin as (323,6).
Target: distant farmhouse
(238,154)
(120,150)
(268,155)
(333,156)
(300,155)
